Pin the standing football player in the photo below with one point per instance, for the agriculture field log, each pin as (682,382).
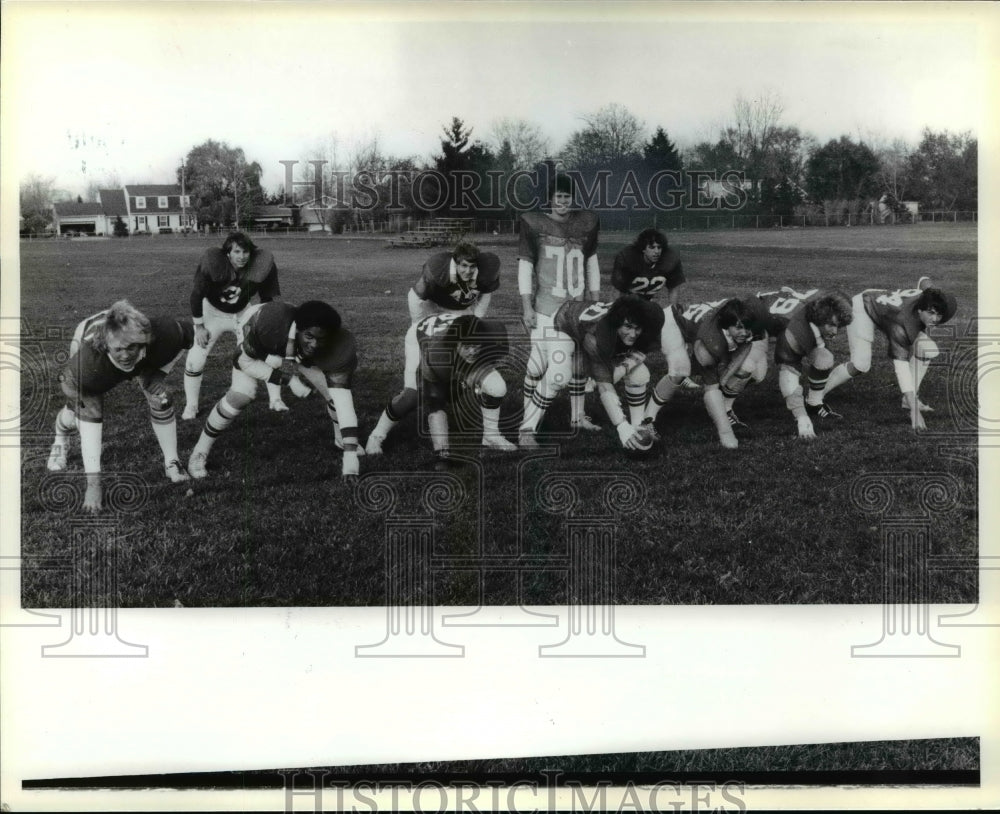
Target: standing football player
(326,356)
(904,316)
(462,280)
(648,266)
(225,282)
(557,261)
(108,348)
(607,341)
(803,323)
(727,341)
(458,355)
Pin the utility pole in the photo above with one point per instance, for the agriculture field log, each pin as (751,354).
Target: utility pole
(183,204)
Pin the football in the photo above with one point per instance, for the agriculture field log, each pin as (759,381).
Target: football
(645,438)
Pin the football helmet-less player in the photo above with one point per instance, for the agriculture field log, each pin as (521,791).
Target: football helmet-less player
(904,316)
(648,266)
(225,281)
(326,357)
(458,356)
(461,280)
(107,349)
(607,341)
(804,321)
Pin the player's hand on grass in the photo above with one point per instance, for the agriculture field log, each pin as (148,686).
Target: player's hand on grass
(806,428)
(628,434)
(201,336)
(352,465)
(93,497)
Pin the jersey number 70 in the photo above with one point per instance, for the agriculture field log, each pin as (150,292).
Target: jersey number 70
(569,271)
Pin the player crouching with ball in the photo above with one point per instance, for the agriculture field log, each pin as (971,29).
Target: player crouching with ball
(107,349)
(608,342)
(326,356)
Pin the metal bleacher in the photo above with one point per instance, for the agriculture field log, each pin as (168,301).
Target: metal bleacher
(436,232)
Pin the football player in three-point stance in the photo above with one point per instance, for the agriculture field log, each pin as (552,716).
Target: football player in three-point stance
(458,355)
(462,280)
(803,322)
(557,261)
(108,348)
(327,358)
(727,341)
(647,266)
(904,316)
(607,341)
(225,281)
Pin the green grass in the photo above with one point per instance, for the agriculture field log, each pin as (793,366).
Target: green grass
(772,522)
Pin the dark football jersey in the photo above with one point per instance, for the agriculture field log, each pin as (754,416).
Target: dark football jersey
(786,309)
(893,313)
(598,342)
(559,252)
(633,275)
(699,324)
(91,371)
(230,290)
(443,288)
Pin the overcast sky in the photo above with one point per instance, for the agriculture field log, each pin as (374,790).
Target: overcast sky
(91,89)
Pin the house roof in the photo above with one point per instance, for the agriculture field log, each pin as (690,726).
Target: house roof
(72,209)
(144,190)
(113,201)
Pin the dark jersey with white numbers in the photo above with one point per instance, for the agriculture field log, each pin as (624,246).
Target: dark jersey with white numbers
(228,289)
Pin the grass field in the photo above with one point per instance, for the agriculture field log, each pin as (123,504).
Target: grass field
(273,525)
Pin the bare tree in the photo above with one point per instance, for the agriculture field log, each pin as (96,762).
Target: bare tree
(612,135)
(755,130)
(37,195)
(527,144)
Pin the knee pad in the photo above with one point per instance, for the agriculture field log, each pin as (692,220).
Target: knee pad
(853,369)
(925,349)
(822,359)
(638,376)
(237,400)
(160,400)
(402,404)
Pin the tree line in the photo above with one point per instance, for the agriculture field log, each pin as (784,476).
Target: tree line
(783,171)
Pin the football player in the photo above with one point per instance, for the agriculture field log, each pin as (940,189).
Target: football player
(225,281)
(108,348)
(458,353)
(727,340)
(607,341)
(463,280)
(647,266)
(803,323)
(557,261)
(904,316)
(326,357)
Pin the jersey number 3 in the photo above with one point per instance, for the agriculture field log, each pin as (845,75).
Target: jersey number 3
(569,271)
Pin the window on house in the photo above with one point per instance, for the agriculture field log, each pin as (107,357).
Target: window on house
(140,222)
(161,201)
(163,220)
(140,203)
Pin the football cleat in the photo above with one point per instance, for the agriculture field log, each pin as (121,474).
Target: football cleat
(374,445)
(822,410)
(648,426)
(734,421)
(497,441)
(526,440)
(924,408)
(585,423)
(175,472)
(190,412)
(924,283)
(196,465)
(590,386)
(689,384)
(57,458)
(278,406)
